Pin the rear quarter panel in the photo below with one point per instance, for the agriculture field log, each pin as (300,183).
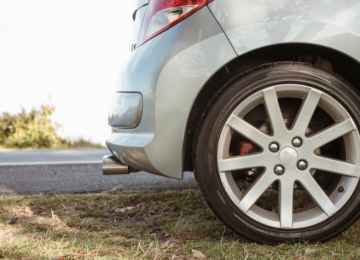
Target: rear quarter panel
(251,24)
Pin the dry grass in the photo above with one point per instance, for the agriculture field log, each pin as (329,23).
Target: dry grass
(164,225)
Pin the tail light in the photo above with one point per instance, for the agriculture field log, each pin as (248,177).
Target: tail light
(164,14)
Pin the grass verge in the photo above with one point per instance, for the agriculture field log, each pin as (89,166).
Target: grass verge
(138,225)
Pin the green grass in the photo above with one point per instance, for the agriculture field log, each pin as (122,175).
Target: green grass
(162,225)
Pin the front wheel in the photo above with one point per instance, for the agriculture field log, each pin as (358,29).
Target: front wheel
(277,155)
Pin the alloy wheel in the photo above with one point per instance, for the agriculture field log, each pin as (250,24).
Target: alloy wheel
(289,155)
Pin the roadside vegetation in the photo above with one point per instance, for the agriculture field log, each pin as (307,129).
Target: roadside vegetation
(139,225)
(36,130)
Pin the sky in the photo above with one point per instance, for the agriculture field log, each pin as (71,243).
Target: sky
(67,53)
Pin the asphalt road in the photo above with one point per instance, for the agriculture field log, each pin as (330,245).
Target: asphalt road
(75,170)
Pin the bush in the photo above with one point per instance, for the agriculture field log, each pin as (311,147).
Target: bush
(36,130)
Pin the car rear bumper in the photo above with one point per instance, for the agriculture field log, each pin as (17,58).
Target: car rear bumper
(169,72)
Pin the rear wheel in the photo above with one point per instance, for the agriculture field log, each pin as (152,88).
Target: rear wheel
(277,156)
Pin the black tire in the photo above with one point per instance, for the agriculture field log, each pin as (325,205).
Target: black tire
(207,134)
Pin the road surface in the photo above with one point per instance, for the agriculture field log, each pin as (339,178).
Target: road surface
(74,170)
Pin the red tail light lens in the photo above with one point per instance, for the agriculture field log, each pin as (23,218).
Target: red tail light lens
(164,14)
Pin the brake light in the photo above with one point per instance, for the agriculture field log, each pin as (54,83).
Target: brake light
(164,14)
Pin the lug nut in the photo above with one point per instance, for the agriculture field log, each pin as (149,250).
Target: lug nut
(274,147)
(296,142)
(279,170)
(341,189)
(302,165)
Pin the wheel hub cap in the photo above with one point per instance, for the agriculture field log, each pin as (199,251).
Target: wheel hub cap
(288,156)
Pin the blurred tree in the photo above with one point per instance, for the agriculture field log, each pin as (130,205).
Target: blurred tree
(36,130)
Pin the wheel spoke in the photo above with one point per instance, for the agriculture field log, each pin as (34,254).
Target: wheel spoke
(247,130)
(306,111)
(273,110)
(256,190)
(336,166)
(317,194)
(331,133)
(286,194)
(241,162)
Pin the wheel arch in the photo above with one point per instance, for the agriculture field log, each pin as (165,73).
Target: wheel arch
(340,63)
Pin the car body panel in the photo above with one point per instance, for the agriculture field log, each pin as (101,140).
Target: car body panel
(171,69)
(186,73)
(169,73)
(253,24)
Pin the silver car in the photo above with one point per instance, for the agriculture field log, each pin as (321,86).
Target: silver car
(260,99)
